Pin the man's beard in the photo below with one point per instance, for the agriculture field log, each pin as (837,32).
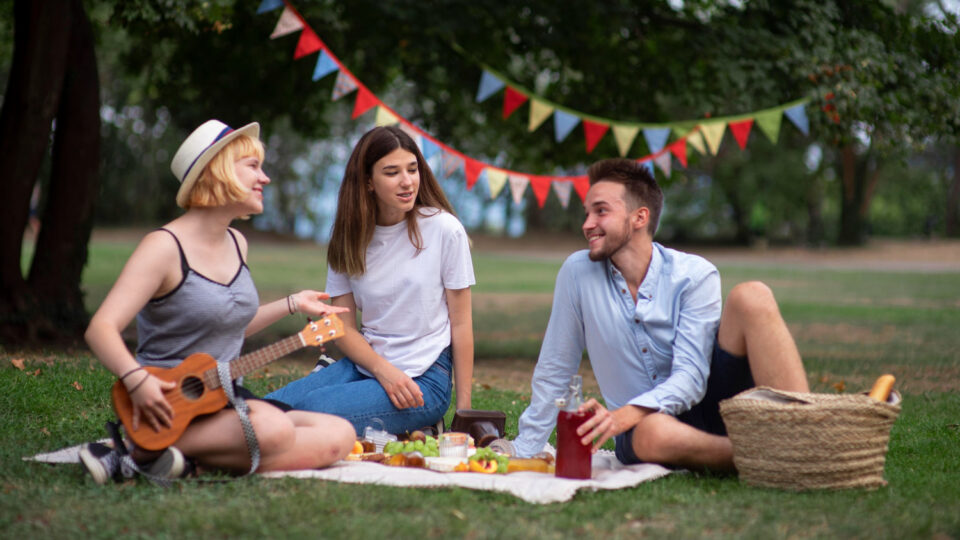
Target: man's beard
(612,243)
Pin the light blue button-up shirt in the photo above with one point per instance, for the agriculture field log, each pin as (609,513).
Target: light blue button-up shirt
(654,352)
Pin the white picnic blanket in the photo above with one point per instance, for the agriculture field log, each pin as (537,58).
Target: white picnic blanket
(539,488)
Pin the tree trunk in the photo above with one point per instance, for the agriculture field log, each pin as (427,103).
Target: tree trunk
(953,197)
(61,250)
(53,75)
(858,185)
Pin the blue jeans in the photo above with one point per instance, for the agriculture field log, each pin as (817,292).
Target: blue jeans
(341,389)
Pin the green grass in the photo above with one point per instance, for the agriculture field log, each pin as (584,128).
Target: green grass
(850,327)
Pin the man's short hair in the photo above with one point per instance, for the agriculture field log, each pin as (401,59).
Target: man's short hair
(641,189)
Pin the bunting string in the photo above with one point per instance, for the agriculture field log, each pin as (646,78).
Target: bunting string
(702,135)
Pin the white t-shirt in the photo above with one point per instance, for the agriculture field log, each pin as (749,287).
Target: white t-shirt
(401,296)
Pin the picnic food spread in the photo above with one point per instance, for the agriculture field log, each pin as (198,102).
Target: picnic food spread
(424,451)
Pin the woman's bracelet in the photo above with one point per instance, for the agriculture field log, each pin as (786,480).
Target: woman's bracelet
(291,304)
(134,370)
(139,384)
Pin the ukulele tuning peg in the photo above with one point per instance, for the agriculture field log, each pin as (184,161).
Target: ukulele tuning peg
(332,333)
(326,321)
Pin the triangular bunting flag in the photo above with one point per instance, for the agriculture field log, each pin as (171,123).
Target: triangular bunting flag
(695,139)
(344,85)
(489,85)
(769,124)
(741,131)
(365,102)
(656,138)
(679,149)
(518,184)
(593,132)
(539,111)
(624,136)
(496,178)
(269,5)
(663,161)
(385,117)
(450,163)
(511,100)
(582,185)
(563,188)
(648,164)
(798,115)
(429,148)
(288,24)
(471,169)
(325,66)
(713,134)
(563,124)
(541,188)
(309,43)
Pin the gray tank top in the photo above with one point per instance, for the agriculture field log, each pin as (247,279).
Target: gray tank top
(199,315)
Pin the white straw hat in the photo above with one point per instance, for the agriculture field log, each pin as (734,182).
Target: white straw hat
(199,148)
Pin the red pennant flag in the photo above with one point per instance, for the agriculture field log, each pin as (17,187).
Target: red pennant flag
(309,43)
(365,102)
(582,185)
(511,100)
(741,130)
(679,149)
(541,188)
(471,169)
(593,132)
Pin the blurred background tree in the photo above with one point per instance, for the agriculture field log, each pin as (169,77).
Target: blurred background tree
(882,154)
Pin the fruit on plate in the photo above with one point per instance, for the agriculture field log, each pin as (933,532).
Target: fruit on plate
(357,447)
(428,446)
(488,455)
(483,466)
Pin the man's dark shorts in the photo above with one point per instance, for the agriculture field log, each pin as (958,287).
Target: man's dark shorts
(729,375)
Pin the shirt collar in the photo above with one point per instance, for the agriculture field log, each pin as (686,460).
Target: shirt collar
(650,280)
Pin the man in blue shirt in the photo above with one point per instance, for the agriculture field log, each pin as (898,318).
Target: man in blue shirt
(662,351)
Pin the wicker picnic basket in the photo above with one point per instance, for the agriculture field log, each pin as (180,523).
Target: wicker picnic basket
(802,441)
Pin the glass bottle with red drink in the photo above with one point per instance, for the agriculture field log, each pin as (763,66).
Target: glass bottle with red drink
(573,457)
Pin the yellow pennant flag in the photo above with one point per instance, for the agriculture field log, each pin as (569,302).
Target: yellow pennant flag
(713,134)
(496,178)
(385,117)
(625,135)
(695,140)
(539,111)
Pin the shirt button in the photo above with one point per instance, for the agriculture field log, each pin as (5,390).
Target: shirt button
(623,290)
(636,321)
(643,350)
(654,377)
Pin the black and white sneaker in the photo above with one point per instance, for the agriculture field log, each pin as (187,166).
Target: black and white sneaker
(170,465)
(101,461)
(323,362)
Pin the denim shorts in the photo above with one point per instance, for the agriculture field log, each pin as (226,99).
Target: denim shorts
(729,375)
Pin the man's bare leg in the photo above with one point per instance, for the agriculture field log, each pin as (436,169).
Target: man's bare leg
(661,438)
(751,326)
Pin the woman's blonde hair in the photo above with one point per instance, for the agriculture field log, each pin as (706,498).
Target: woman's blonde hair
(217,184)
(356,217)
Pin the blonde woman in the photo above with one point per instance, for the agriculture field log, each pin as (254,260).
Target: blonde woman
(400,258)
(190,289)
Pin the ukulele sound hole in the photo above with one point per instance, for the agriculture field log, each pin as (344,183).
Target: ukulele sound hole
(192,388)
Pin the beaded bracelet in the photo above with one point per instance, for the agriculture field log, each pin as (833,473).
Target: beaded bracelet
(139,384)
(291,304)
(134,370)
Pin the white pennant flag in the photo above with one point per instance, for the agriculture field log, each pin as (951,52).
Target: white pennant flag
(288,24)
(563,189)
(518,184)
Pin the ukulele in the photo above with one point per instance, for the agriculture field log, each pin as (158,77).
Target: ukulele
(198,389)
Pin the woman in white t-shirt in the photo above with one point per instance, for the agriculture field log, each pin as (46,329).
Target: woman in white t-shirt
(400,258)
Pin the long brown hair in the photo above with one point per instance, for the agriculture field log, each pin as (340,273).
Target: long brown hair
(356,217)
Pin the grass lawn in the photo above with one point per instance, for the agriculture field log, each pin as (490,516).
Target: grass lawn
(851,325)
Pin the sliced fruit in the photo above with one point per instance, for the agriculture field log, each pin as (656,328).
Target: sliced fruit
(357,448)
(483,466)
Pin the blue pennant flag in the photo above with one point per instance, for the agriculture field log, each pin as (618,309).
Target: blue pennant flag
(269,5)
(798,115)
(429,148)
(325,66)
(649,165)
(656,138)
(563,124)
(489,85)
